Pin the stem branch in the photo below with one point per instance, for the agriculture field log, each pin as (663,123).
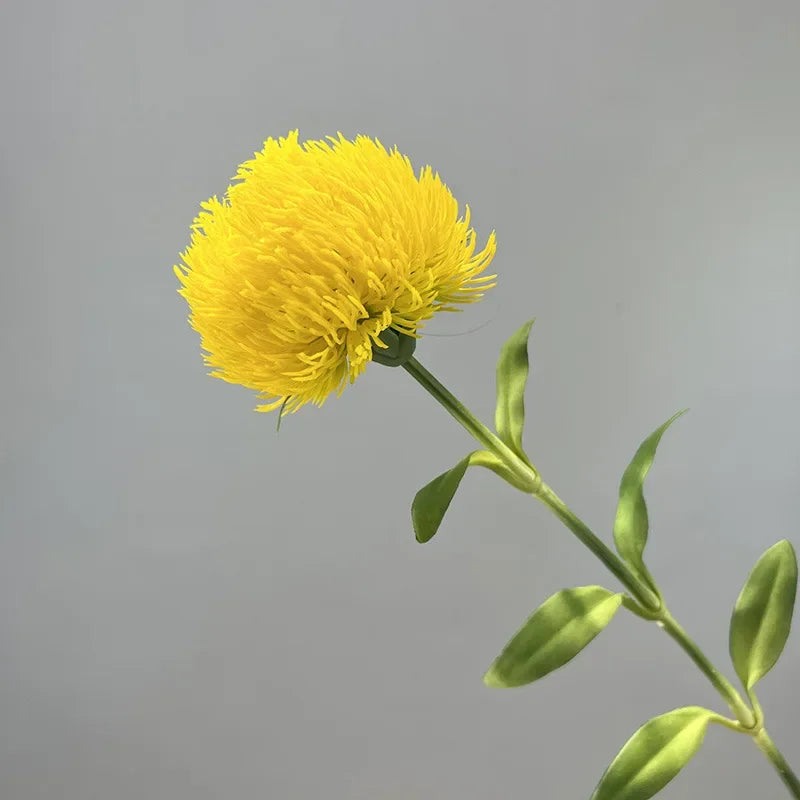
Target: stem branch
(652,608)
(531,479)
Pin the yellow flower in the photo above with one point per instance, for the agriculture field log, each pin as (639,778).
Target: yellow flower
(316,250)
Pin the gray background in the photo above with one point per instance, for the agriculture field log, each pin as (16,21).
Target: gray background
(194,607)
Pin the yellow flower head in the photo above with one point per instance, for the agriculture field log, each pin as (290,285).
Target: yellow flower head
(316,250)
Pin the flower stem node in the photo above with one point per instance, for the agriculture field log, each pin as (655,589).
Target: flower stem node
(400,348)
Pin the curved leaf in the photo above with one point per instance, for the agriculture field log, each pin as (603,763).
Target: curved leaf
(555,633)
(762,616)
(432,501)
(512,374)
(654,755)
(631,523)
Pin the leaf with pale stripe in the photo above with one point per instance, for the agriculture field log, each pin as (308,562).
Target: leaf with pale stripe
(512,374)
(554,634)
(631,523)
(762,616)
(654,755)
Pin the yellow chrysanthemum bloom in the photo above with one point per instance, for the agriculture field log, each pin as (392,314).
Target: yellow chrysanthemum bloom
(313,253)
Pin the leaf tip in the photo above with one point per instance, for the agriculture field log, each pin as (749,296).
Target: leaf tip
(785,544)
(422,533)
(675,416)
(492,679)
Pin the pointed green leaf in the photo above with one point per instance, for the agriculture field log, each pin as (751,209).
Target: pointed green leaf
(654,755)
(555,633)
(432,501)
(631,523)
(762,616)
(512,374)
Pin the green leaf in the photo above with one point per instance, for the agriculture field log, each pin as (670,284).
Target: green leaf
(432,501)
(654,755)
(555,633)
(631,523)
(512,373)
(762,616)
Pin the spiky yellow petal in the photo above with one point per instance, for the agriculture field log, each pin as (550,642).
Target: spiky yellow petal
(314,251)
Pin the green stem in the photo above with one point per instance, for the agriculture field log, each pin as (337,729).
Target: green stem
(522,471)
(533,483)
(668,623)
(734,700)
(612,561)
(528,479)
(767,747)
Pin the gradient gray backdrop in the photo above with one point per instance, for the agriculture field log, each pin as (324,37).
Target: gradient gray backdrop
(193,607)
